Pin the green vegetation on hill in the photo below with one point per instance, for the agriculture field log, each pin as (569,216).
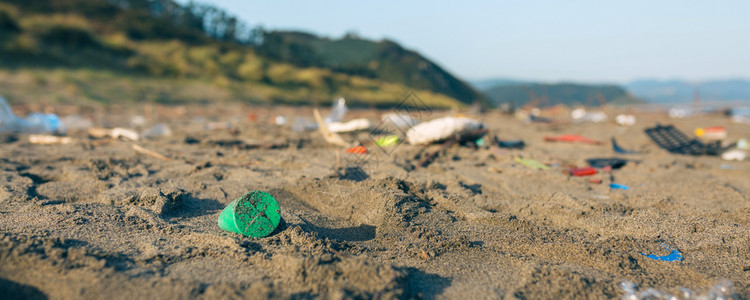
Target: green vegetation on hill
(157,50)
(538,94)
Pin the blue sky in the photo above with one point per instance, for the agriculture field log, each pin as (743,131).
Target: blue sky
(585,41)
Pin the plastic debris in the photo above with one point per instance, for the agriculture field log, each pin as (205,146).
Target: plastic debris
(619,149)
(400,121)
(678,112)
(581,115)
(49,139)
(33,123)
(330,137)
(442,129)
(278,120)
(721,291)
(674,141)
(743,144)
(357,150)
(595,180)
(337,112)
(151,153)
(158,130)
(735,154)
(674,255)
(350,126)
(625,120)
(571,138)
(387,141)
(114,133)
(617,186)
(711,133)
(585,171)
(255,214)
(614,163)
(528,162)
(137,121)
(513,144)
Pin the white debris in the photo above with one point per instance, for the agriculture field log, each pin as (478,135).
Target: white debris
(350,126)
(441,129)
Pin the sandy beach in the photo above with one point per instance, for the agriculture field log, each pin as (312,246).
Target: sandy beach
(95,219)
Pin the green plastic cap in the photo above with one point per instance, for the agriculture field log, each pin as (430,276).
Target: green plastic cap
(255,214)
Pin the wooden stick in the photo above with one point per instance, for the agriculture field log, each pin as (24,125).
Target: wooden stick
(140,149)
(331,138)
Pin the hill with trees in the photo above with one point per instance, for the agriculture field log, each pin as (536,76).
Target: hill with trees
(131,51)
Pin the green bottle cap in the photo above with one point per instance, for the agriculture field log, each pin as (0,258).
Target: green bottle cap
(255,214)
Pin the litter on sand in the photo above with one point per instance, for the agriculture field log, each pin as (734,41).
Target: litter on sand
(357,150)
(673,255)
(441,129)
(711,133)
(675,141)
(513,144)
(33,123)
(625,120)
(571,138)
(349,126)
(255,214)
(387,141)
(44,139)
(330,137)
(721,291)
(614,163)
(115,133)
(585,171)
(528,162)
(617,186)
(735,154)
(621,150)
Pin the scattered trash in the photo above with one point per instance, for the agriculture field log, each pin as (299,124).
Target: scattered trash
(76,122)
(721,291)
(479,142)
(746,269)
(211,126)
(158,130)
(571,138)
(513,144)
(442,129)
(619,149)
(674,255)
(743,144)
(674,141)
(255,214)
(350,126)
(735,154)
(595,180)
(33,123)
(711,133)
(617,186)
(528,162)
(330,137)
(400,121)
(278,120)
(338,112)
(625,120)
(148,152)
(114,133)
(581,115)
(678,112)
(614,163)
(49,139)
(387,141)
(585,171)
(357,150)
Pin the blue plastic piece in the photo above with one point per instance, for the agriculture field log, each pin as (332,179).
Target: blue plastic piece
(673,256)
(616,186)
(619,149)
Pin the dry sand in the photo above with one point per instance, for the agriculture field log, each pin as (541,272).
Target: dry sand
(89,220)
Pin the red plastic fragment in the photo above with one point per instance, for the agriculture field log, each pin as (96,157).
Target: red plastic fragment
(357,150)
(586,171)
(595,180)
(571,138)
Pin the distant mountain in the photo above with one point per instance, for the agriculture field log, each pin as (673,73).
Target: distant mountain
(520,93)
(677,91)
(485,84)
